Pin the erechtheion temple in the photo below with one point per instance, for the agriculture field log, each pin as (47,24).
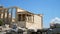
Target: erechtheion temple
(23,18)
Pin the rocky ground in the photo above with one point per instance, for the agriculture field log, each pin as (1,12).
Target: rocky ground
(2,32)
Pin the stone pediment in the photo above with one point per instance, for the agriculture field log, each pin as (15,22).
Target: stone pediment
(20,10)
(23,11)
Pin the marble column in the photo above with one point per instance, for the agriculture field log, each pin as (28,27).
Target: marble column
(4,16)
(11,14)
(7,16)
(16,16)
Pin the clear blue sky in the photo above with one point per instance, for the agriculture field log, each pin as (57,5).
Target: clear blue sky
(49,8)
